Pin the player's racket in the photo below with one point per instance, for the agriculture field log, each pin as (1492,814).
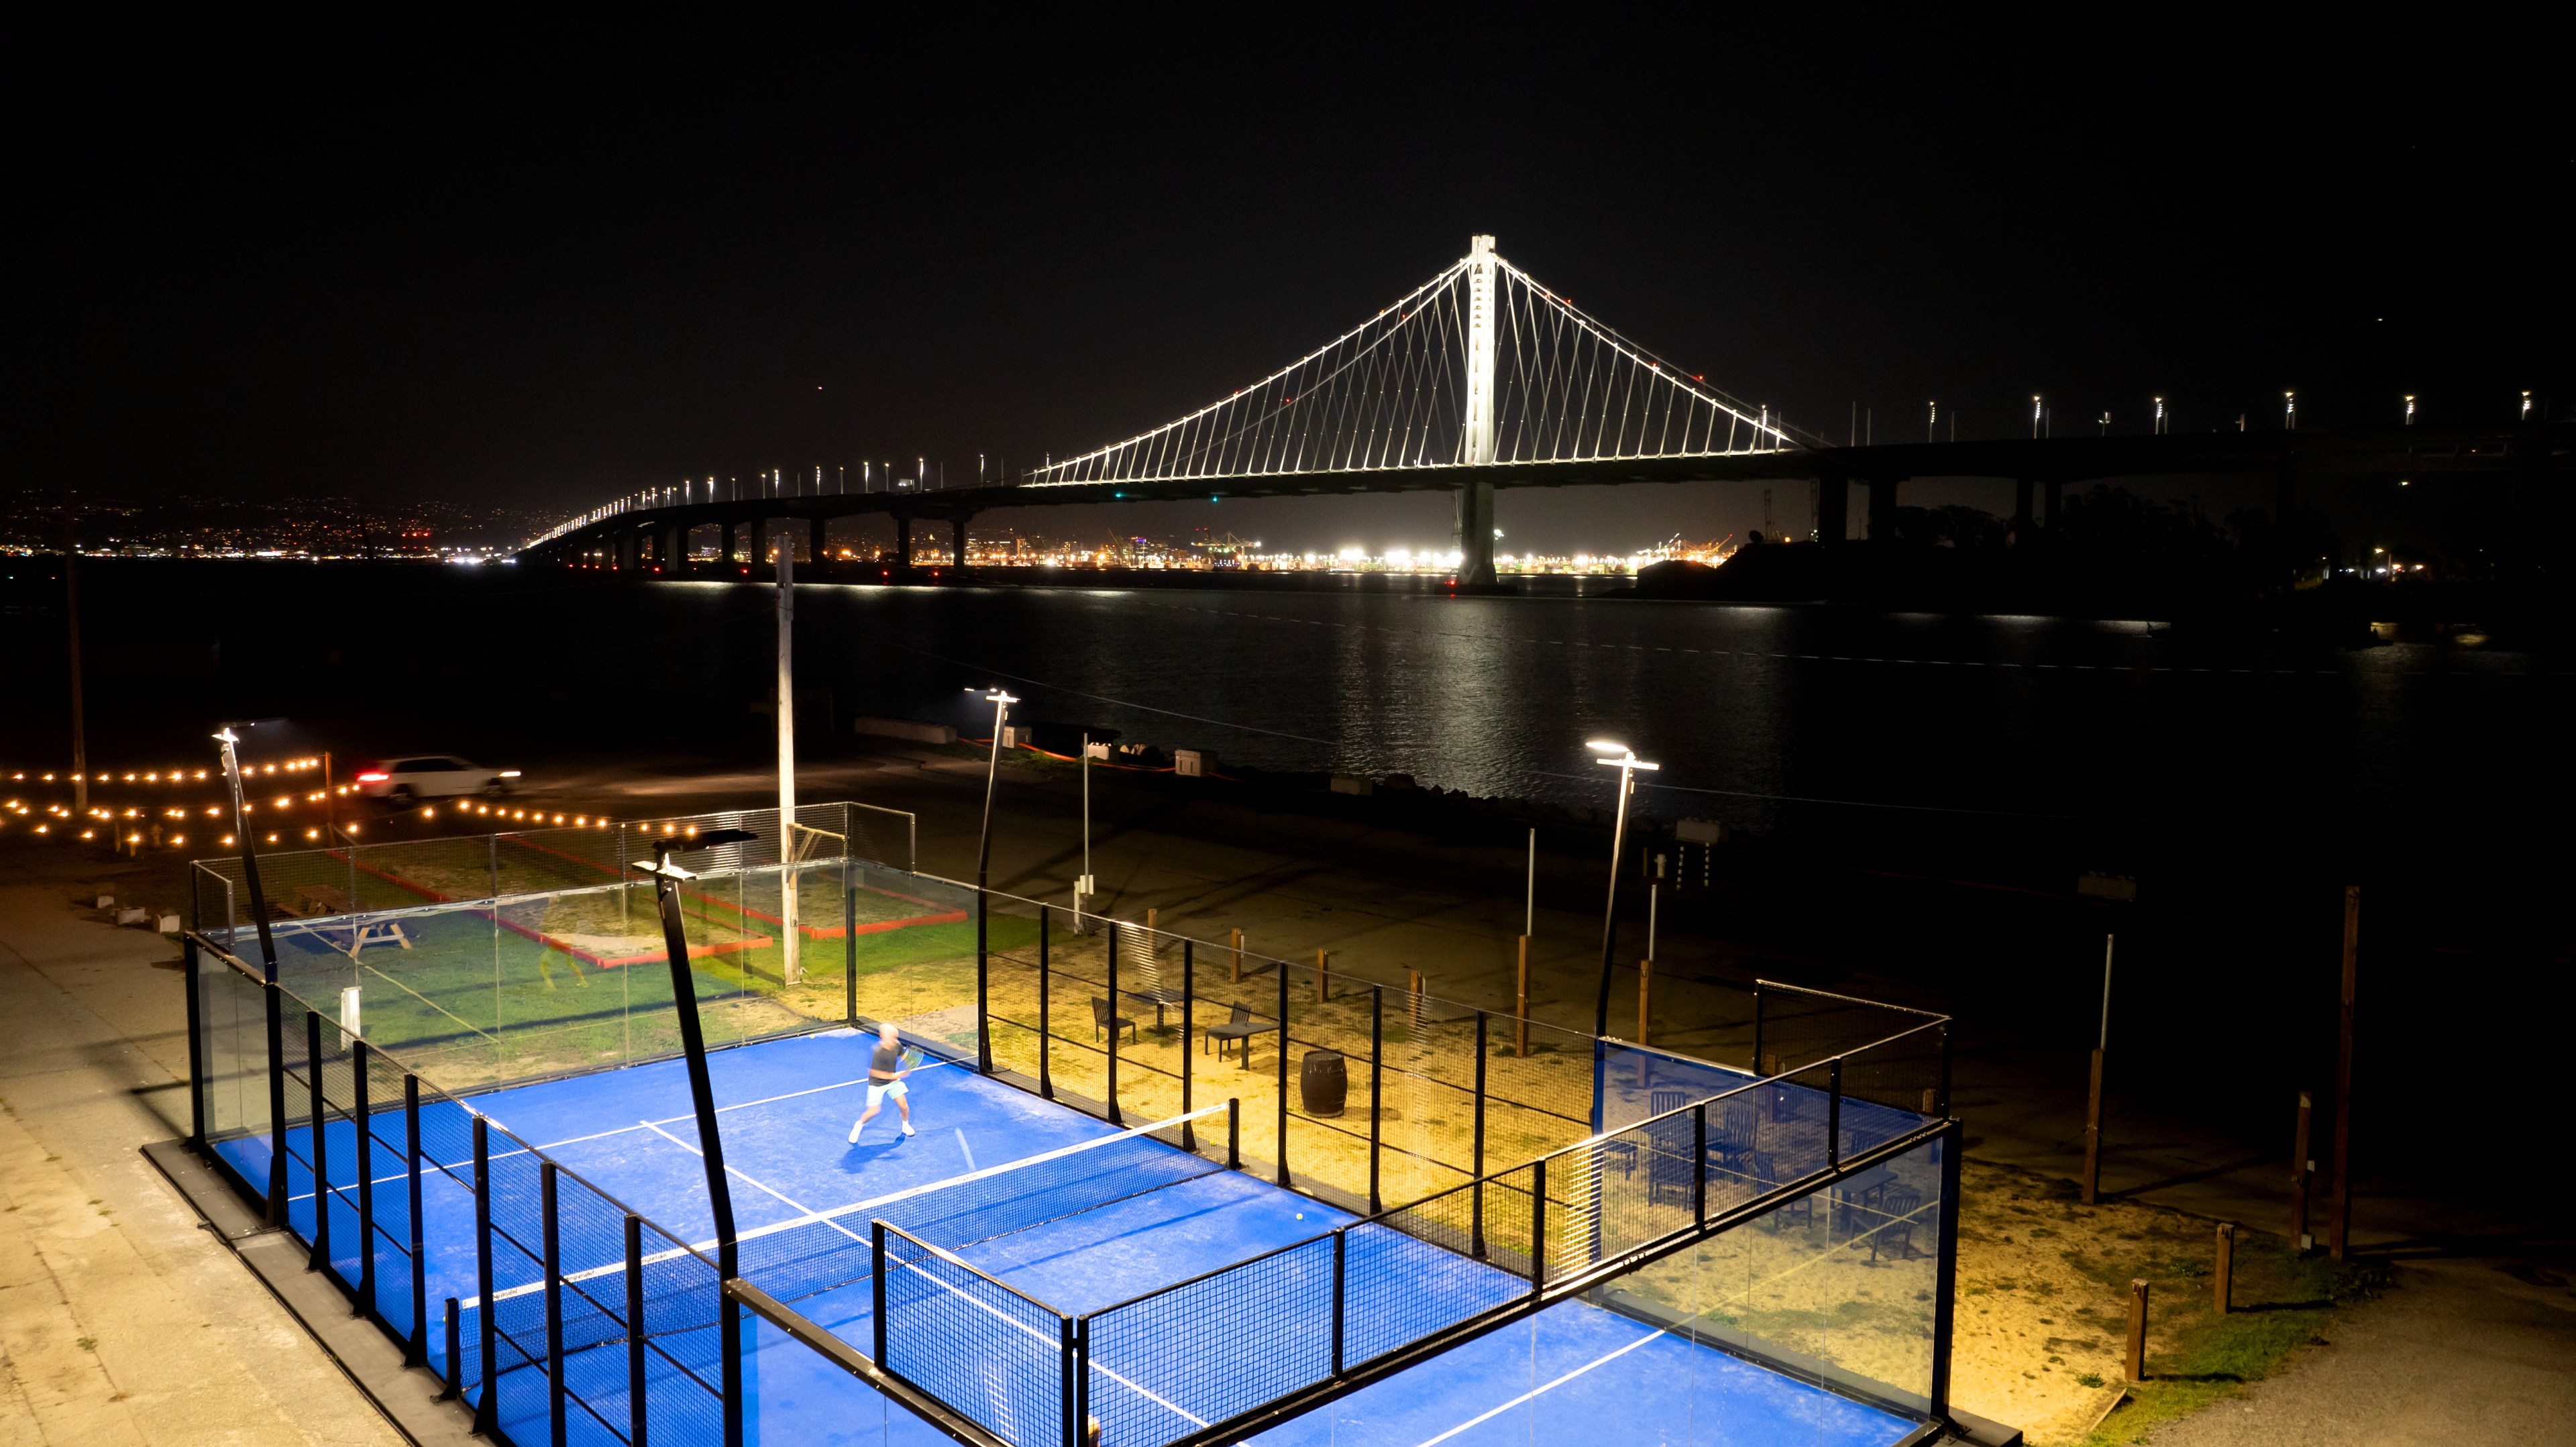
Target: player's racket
(910,1059)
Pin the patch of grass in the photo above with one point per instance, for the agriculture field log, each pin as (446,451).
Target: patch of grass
(2195,1357)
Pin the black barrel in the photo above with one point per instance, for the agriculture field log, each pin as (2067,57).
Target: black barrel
(1325,1082)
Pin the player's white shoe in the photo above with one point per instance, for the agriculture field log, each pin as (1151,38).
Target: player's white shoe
(854,1134)
(907,1127)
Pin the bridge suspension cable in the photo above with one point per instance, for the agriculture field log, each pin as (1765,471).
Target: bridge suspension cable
(1399,391)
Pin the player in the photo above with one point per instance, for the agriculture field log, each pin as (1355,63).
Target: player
(886,1069)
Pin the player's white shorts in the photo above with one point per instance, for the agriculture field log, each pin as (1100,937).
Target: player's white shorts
(877,1093)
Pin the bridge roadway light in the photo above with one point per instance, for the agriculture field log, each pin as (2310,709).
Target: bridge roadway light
(2035,410)
(2160,416)
(2526,407)
(1932,423)
(1627,763)
(2410,409)
(2290,411)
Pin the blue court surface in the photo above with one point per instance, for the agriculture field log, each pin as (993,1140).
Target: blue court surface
(786,1107)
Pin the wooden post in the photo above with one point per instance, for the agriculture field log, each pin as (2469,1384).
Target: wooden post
(2302,1167)
(2225,1267)
(2342,1238)
(1323,976)
(1238,957)
(1520,1026)
(2138,1330)
(2093,1134)
(1645,1001)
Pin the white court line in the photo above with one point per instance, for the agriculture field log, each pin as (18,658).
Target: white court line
(1541,1391)
(799,1207)
(965,1150)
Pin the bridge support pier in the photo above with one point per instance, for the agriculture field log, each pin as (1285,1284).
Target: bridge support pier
(672,552)
(2053,494)
(1833,509)
(1882,509)
(627,549)
(2021,509)
(903,538)
(1474,534)
(730,541)
(957,539)
(814,542)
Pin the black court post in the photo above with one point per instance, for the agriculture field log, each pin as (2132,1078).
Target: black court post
(1114,1117)
(455,1383)
(849,936)
(1377,1082)
(983,986)
(1046,928)
(1339,1276)
(1834,1113)
(1064,1355)
(366,1175)
(196,1051)
(877,1285)
(635,1414)
(276,1003)
(1233,1133)
(1538,1225)
(415,1351)
(1283,1072)
(314,1104)
(1476,1178)
(1945,1285)
(551,1229)
(1699,1162)
(486,1410)
(1189,986)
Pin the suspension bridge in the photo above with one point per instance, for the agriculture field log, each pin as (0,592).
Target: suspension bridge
(1480,379)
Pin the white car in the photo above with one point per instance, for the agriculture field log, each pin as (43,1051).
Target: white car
(432,776)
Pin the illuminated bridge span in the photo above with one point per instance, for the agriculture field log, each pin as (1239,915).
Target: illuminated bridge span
(1481,378)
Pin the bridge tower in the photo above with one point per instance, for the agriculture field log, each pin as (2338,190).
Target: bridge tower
(1474,537)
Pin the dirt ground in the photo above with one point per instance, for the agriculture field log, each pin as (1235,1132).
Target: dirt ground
(2042,1323)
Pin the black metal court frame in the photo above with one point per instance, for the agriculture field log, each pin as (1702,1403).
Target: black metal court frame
(591,1273)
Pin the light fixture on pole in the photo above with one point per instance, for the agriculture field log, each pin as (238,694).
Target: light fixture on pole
(2526,408)
(1627,763)
(2035,409)
(2289,411)
(1001,703)
(1932,422)
(2160,416)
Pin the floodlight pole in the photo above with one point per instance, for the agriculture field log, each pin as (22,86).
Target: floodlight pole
(992,772)
(249,854)
(1627,763)
(790,970)
(693,1049)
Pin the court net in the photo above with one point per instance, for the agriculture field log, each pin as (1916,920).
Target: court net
(824,1251)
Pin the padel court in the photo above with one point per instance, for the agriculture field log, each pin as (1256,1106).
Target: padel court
(1124,1218)
(511,1185)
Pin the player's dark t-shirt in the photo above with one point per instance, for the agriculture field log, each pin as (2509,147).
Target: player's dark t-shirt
(888,1060)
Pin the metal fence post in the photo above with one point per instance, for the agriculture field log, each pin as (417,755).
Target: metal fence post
(1945,1292)
(1189,986)
(1834,1114)
(983,989)
(1941,1105)
(1233,1133)
(730,1311)
(1283,1072)
(1338,1297)
(313,1100)
(551,1229)
(276,1005)
(1476,1187)
(1082,1378)
(1377,1084)
(1065,1358)
(455,1382)
(416,1350)
(849,940)
(1759,1071)
(1699,1163)
(1114,1117)
(358,1107)
(1046,989)
(486,1410)
(1538,1225)
(877,1284)
(493,846)
(635,1413)
(196,1046)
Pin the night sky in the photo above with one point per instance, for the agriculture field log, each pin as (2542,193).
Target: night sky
(505,265)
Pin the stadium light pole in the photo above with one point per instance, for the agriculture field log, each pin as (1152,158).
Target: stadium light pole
(693,1044)
(1627,763)
(249,854)
(1001,703)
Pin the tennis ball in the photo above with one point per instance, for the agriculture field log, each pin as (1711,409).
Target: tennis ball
(1301,1215)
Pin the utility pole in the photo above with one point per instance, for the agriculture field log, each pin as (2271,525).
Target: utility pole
(2093,1100)
(2342,1237)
